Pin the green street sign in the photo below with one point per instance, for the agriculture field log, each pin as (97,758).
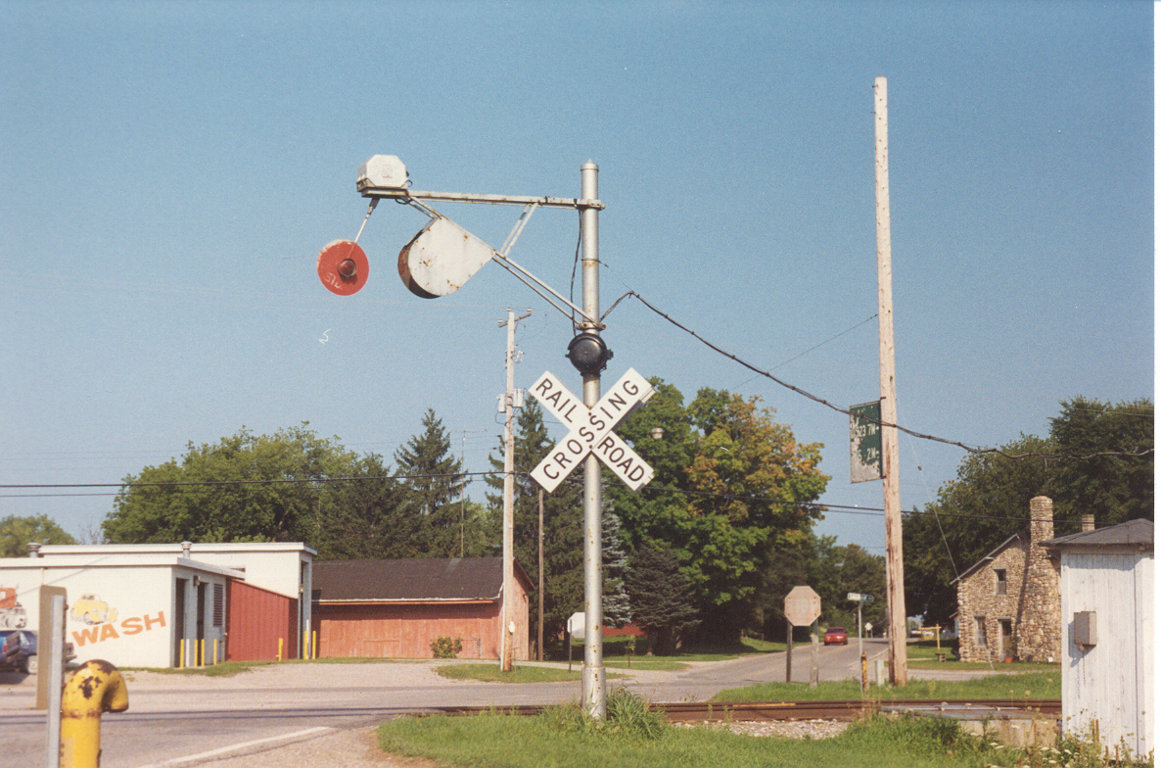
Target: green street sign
(866,443)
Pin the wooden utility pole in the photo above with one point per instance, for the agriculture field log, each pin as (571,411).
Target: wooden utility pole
(540,579)
(896,610)
(508,627)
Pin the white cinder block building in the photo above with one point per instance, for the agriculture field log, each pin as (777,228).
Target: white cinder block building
(168,605)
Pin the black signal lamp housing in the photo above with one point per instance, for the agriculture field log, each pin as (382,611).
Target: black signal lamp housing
(588,354)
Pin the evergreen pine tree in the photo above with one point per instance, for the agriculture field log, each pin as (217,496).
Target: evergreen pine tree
(662,597)
(614,565)
(434,478)
(563,531)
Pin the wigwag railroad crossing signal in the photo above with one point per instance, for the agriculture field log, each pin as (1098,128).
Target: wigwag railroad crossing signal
(437,262)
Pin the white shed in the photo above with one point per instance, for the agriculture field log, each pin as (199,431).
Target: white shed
(1106,602)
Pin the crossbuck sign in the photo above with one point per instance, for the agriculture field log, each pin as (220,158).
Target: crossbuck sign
(591,430)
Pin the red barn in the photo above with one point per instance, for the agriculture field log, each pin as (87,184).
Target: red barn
(396,608)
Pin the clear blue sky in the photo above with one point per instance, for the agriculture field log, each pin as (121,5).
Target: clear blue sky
(169,172)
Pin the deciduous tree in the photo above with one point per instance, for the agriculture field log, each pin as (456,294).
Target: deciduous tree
(17,532)
(732,487)
(1097,459)
(246,487)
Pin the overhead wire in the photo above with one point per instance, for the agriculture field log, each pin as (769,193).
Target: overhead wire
(648,490)
(847,412)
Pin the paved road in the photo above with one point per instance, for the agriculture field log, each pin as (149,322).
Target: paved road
(173,718)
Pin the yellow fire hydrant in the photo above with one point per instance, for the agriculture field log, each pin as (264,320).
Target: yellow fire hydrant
(94,688)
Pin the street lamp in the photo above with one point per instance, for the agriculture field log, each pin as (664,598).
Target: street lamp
(438,261)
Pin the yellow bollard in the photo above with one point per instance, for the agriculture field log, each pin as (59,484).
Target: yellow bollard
(314,644)
(280,649)
(94,688)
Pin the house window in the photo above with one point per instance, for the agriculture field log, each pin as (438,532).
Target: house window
(981,631)
(1001,580)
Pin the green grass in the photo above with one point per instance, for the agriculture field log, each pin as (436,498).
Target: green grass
(1032,685)
(924,655)
(563,737)
(617,648)
(491,673)
(650,663)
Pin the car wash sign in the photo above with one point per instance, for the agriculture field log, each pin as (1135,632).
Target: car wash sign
(591,430)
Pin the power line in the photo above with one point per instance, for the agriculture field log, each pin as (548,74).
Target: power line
(823,507)
(848,413)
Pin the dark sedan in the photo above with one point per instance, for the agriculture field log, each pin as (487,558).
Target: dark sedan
(18,651)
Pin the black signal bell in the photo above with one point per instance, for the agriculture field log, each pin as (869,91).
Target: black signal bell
(588,354)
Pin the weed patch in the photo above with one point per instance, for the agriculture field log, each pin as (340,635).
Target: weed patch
(634,737)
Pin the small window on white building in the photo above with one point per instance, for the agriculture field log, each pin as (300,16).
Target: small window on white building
(1001,580)
(219,604)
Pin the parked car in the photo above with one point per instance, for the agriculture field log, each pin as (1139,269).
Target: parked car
(18,651)
(836,635)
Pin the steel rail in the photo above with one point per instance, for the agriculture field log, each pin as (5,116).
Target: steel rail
(846,709)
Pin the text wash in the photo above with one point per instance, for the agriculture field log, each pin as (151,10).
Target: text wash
(109,631)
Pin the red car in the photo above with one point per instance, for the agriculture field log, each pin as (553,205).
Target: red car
(836,635)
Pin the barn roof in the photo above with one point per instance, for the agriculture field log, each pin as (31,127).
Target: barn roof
(1132,533)
(419,579)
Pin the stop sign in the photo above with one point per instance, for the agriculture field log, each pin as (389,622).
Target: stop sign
(576,625)
(802,606)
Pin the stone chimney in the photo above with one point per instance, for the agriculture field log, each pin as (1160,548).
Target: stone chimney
(1087,523)
(1038,616)
(1041,524)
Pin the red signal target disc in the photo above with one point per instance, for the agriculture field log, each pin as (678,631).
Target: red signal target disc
(343,267)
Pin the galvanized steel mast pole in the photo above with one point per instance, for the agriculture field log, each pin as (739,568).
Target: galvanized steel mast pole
(593,674)
(896,612)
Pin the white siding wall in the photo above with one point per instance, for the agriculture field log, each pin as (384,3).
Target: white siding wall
(122,615)
(1110,683)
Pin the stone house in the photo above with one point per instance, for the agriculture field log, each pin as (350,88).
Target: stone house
(1009,600)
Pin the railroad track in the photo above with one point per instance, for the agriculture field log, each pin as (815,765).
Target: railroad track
(848,709)
(715,711)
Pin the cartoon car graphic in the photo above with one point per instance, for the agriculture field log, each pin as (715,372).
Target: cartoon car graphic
(12,613)
(91,610)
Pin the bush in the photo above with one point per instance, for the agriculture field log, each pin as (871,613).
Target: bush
(446,647)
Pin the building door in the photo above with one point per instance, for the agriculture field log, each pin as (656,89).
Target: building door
(179,622)
(1006,645)
(200,641)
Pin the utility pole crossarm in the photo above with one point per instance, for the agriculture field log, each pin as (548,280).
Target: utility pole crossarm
(395,193)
